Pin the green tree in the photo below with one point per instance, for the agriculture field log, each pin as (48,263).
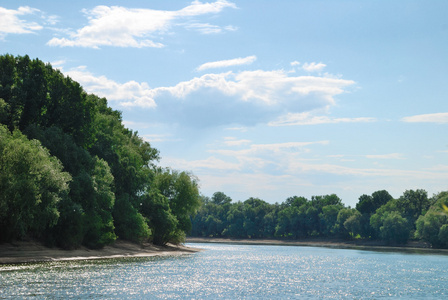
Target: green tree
(129,223)
(412,204)
(162,222)
(181,191)
(367,206)
(31,185)
(395,228)
(353,224)
(328,218)
(429,226)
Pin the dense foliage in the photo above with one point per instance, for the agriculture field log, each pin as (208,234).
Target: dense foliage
(71,174)
(377,217)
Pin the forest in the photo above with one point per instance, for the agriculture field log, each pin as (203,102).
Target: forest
(72,174)
(413,216)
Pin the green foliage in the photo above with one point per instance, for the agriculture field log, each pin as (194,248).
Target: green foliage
(163,223)
(35,93)
(412,204)
(70,230)
(180,189)
(328,218)
(343,215)
(129,223)
(395,228)
(369,204)
(112,168)
(31,184)
(429,226)
(353,224)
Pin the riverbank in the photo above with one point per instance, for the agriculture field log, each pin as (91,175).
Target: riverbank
(29,251)
(413,246)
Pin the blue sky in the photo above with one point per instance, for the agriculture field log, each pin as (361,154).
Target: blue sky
(265,99)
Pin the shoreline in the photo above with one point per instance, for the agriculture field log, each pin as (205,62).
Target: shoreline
(32,252)
(411,247)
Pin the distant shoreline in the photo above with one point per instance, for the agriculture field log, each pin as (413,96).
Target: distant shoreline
(410,247)
(30,252)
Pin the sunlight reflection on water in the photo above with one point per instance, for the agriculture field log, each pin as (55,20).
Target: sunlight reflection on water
(235,272)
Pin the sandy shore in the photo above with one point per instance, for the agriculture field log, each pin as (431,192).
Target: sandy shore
(412,247)
(25,252)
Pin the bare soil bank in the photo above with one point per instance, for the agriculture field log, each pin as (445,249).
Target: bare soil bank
(28,251)
(412,246)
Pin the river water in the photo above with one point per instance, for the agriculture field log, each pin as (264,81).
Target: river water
(225,271)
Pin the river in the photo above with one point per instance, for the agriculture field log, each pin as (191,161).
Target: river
(226,271)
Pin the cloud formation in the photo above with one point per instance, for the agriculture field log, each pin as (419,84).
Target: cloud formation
(313,67)
(127,27)
(307,118)
(227,63)
(138,93)
(440,118)
(245,98)
(11,23)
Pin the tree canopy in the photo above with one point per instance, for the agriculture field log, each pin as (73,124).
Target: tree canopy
(72,174)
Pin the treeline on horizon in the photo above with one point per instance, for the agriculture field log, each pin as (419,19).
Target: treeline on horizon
(71,174)
(413,216)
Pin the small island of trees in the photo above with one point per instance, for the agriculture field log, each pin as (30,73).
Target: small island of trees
(72,174)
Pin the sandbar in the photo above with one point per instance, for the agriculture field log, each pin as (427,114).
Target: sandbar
(29,251)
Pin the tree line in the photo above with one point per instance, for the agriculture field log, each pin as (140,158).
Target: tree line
(413,216)
(72,174)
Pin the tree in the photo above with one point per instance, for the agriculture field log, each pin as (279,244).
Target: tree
(369,204)
(162,222)
(429,226)
(395,228)
(219,198)
(328,218)
(129,223)
(181,191)
(343,215)
(389,224)
(31,185)
(412,204)
(353,224)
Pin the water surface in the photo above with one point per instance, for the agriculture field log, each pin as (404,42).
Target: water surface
(236,272)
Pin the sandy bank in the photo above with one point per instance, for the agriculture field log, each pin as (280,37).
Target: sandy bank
(411,247)
(24,252)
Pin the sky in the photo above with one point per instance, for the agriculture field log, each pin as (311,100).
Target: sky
(267,99)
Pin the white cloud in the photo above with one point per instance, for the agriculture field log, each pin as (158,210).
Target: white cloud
(206,28)
(138,93)
(270,149)
(386,156)
(313,67)
(231,141)
(440,118)
(307,118)
(11,23)
(212,163)
(267,87)
(126,27)
(228,63)
(295,63)
(243,98)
